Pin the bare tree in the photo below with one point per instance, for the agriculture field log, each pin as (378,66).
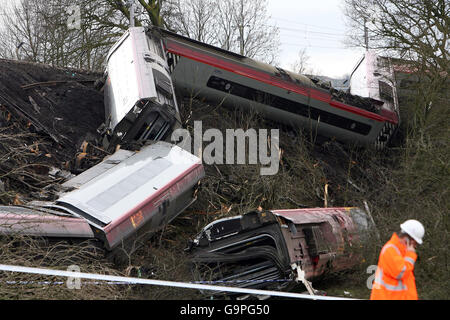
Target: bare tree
(21,36)
(41,31)
(416,32)
(417,29)
(116,13)
(256,39)
(195,19)
(301,64)
(235,25)
(38,30)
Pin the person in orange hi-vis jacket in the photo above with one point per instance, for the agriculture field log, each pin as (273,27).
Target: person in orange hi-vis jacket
(394,278)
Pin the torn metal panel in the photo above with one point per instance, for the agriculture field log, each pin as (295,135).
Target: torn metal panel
(259,249)
(151,187)
(244,251)
(318,237)
(34,222)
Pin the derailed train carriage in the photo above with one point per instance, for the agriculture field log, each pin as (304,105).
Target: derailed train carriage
(268,249)
(140,103)
(117,203)
(220,76)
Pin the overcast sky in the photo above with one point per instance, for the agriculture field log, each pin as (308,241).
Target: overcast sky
(318,26)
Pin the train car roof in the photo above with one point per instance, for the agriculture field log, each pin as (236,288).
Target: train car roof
(107,193)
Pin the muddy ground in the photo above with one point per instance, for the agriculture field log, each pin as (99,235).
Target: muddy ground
(45,115)
(61,103)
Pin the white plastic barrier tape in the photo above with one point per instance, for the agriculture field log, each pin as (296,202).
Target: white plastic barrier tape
(130,280)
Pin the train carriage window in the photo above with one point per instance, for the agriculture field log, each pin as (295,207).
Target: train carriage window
(317,240)
(281,103)
(382,62)
(386,91)
(163,88)
(154,45)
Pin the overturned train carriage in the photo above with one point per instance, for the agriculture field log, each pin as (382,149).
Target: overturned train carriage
(124,199)
(139,95)
(207,72)
(262,249)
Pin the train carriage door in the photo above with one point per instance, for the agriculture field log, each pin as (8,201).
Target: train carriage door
(319,240)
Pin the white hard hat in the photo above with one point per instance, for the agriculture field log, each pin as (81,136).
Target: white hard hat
(414,229)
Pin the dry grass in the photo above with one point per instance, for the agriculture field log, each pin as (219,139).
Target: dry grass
(35,252)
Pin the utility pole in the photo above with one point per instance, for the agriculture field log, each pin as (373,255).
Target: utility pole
(366,35)
(131,5)
(241,21)
(241,39)
(17,50)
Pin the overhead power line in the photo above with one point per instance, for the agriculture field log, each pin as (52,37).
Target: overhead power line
(311,31)
(311,37)
(303,45)
(308,25)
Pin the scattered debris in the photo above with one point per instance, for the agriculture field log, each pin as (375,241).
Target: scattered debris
(78,104)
